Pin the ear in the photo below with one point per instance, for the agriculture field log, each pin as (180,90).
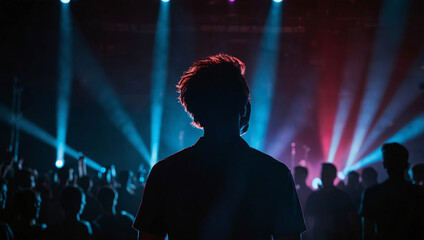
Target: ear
(245,117)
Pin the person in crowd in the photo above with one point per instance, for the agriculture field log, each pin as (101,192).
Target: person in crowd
(127,200)
(418,174)
(354,189)
(72,227)
(24,179)
(111,225)
(369,177)
(26,209)
(91,210)
(393,209)
(303,191)
(5,230)
(220,188)
(330,211)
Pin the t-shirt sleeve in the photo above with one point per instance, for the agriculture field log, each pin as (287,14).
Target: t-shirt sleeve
(150,216)
(288,213)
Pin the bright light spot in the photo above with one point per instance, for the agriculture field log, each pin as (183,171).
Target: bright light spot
(165,0)
(316,183)
(65,1)
(278,1)
(231,1)
(341,175)
(103,170)
(59,163)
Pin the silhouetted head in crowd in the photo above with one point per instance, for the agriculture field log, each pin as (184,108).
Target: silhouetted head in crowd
(3,193)
(328,174)
(369,177)
(72,201)
(65,175)
(26,206)
(215,94)
(125,178)
(107,198)
(418,173)
(353,179)
(85,183)
(300,175)
(395,159)
(25,179)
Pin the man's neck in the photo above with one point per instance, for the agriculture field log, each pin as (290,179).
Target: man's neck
(222,132)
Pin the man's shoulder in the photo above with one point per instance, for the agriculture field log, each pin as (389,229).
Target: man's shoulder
(266,161)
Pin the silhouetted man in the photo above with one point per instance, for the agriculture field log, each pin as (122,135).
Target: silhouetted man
(111,225)
(354,189)
(72,227)
(303,191)
(330,211)
(394,209)
(220,188)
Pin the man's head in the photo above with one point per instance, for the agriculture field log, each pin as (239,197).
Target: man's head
(26,204)
(72,200)
(300,175)
(395,158)
(328,174)
(108,198)
(214,90)
(353,179)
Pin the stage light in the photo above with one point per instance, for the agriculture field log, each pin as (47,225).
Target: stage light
(60,163)
(316,183)
(412,130)
(65,1)
(277,1)
(159,76)
(30,128)
(101,89)
(65,76)
(264,78)
(341,175)
(231,1)
(165,0)
(404,96)
(388,40)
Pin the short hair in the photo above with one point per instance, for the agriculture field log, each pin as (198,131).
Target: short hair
(395,156)
(107,196)
(329,169)
(301,170)
(71,199)
(214,85)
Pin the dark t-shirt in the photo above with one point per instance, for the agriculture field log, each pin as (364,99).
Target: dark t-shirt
(397,208)
(220,191)
(69,229)
(330,210)
(117,227)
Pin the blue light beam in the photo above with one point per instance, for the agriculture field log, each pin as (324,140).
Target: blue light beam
(159,75)
(412,130)
(348,90)
(30,128)
(65,78)
(99,86)
(404,96)
(388,39)
(264,77)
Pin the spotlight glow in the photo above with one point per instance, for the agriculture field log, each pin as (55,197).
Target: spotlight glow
(389,36)
(316,183)
(407,133)
(30,128)
(99,86)
(65,75)
(277,1)
(165,0)
(341,175)
(159,75)
(264,78)
(60,163)
(65,1)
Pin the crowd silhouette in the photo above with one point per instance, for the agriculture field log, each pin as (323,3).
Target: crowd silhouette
(220,188)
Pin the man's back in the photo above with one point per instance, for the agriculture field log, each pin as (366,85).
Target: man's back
(397,208)
(220,191)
